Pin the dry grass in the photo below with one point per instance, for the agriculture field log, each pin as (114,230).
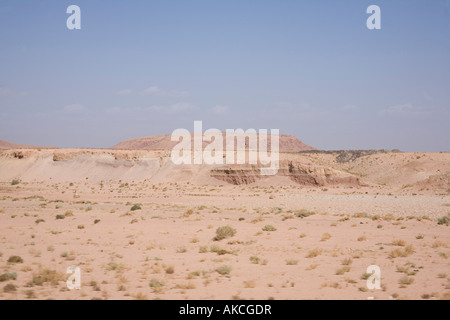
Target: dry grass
(326,236)
(291,262)
(405,252)
(314,253)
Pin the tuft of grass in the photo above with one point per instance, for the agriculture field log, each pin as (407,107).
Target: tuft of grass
(141,296)
(136,207)
(362,238)
(224,270)
(224,232)
(68,213)
(15,259)
(342,270)
(170,270)
(15,182)
(304,213)
(181,250)
(326,236)
(255,259)
(156,285)
(269,228)
(314,253)
(8,276)
(405,280)
(444,220)
(291,262)
(9,288)
(188,213)
(39,221)
(60,216)
(47,276)
(405,252)
(347,261)
(96,221)
(366,275)
(113,266)
(399,243)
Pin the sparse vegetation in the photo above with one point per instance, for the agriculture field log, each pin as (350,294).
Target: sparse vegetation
(47,276)
(15,182)
(405,252)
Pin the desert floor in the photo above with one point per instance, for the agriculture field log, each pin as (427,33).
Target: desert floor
(320,243)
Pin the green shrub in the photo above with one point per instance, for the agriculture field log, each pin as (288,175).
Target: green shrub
(15,182)
(136,207)
(444,220)
(60,216)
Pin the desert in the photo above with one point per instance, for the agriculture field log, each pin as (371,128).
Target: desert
(140,227)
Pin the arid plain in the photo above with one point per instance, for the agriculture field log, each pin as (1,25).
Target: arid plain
(140,227)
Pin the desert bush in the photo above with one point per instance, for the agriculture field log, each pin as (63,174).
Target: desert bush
(405,280)
(60,216)
(224,270)
(407,251)
(444,220)
(254,259)
(136,207)
(15,259)
(8,276)
(224,232)
(47,276)
(269,227)
(9,288)
(314,253)
(304,213)
(15,182)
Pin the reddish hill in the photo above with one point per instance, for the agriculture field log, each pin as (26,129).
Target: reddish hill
(12,145)
(163,142)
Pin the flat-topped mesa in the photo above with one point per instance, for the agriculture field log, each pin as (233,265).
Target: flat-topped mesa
(287,143)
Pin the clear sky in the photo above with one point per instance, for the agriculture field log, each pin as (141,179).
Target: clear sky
(309,68)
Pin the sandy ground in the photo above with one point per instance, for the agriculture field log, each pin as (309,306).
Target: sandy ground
(321,243)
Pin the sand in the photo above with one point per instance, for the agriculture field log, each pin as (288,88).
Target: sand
(73,207)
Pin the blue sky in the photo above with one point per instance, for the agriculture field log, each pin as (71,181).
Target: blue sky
(309,68)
